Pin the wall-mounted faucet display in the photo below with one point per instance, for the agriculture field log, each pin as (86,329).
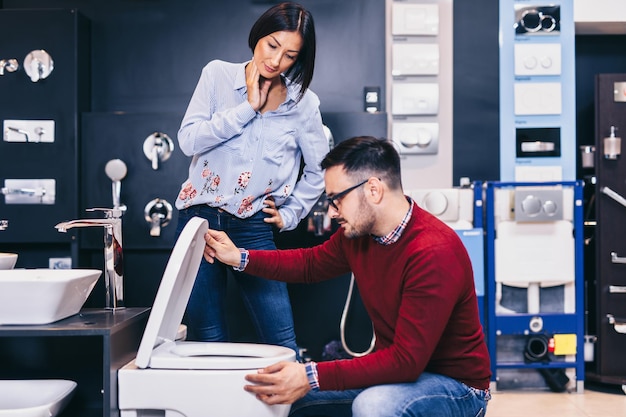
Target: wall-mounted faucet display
(158,147)
(8,65)
(113,255)
(158,213)
(29,191)
(38,65)
(35,131)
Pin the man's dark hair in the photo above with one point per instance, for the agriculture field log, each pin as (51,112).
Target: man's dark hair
(366,156)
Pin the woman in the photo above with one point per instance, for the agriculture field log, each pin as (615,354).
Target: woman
(248,127)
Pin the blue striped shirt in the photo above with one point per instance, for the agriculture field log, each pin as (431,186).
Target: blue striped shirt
(240,156)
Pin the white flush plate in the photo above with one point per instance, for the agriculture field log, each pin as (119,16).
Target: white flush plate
(415,59)
(415,19)
(538,59)
(415,98)
(537,98)
(416,138)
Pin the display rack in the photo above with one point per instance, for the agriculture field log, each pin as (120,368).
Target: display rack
(535,321)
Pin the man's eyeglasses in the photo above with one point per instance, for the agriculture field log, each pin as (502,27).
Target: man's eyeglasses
(332,200)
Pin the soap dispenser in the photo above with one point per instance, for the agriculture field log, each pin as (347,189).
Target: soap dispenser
(612,145)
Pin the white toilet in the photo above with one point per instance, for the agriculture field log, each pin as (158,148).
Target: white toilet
(191,379)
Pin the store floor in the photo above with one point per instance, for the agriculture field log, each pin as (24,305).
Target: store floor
(601,401)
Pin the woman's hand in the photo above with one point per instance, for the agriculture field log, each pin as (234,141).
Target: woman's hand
(258,87)
(273,212)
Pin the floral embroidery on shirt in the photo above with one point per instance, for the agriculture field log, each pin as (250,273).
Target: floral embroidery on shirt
(246,205)
(187,193)
(211,180)
(242,181)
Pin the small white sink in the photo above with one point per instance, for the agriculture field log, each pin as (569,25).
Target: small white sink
(42,296)
(34,398)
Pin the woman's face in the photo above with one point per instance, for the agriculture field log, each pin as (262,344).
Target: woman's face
(276,53)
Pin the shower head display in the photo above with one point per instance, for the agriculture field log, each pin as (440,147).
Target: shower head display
(116,170)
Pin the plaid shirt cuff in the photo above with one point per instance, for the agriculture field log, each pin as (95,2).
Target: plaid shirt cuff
(311,373)
(244,260)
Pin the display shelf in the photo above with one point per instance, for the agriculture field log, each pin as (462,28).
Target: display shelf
(87,348)
(535,323)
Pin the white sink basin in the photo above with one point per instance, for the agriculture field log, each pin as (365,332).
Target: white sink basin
(42,296)
(34,398)
(7,260)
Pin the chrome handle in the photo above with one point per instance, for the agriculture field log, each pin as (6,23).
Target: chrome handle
(618,324)
(158,213)
(4,224)
(538,146)
(616,259)
(157,148)
(109,213)
(615,196)
(38,65)
(8,65)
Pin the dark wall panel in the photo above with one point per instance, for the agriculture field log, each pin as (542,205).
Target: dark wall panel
(58,97)
(476,151)
(148,54)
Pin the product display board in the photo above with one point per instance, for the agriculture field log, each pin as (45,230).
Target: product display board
(535,289)
(420,75)
(537,91)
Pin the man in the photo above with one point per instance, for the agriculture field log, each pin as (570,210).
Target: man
(416,282)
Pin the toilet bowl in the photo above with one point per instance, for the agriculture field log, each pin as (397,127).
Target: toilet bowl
(34,398)
(177,378)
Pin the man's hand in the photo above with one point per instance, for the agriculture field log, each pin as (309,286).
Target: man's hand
(281,383)
(219,246)
(272,210)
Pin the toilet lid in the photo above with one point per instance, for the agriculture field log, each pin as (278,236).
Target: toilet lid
(174,290)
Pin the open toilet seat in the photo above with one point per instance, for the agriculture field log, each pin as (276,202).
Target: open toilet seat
(213,355)
(190,379)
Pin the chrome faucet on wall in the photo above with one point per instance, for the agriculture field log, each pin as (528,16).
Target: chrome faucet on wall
(113,255)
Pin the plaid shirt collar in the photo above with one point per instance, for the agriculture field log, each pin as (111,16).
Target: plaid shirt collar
(395,234)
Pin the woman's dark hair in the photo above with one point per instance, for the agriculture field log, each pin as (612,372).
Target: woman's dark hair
(366,156)
(290,17)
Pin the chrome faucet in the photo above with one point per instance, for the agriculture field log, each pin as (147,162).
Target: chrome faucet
(113,257)
(4,224)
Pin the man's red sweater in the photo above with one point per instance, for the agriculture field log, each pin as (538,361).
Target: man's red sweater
(419,293)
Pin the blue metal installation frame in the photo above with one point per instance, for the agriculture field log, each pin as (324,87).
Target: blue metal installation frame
(555,323)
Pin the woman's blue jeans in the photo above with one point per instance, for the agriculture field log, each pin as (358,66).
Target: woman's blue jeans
(266,301)
(431,395)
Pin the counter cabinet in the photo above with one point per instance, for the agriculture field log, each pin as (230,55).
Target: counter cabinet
(87,348)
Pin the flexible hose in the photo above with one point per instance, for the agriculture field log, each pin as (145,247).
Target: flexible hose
(342,325)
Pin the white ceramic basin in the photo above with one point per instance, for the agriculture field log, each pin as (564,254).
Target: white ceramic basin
(7,260)
(42,296)
(34,398)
